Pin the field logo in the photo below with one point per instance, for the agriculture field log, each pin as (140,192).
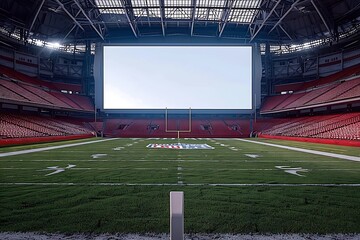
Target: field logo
(293,171)
(57,169)
(179,146)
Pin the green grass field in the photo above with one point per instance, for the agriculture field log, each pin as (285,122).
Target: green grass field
(227,189)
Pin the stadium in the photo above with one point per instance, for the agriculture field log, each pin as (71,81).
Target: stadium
(180,119)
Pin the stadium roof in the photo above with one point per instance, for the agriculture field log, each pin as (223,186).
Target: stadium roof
(274,21)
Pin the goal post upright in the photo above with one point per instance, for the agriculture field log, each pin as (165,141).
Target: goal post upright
(177,130)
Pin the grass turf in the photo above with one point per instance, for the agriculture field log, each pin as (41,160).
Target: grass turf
(139,208)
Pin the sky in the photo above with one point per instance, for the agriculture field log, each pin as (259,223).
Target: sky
(177,77)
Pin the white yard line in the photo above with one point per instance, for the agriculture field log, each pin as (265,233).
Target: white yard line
(334,155)
(51,148)
(170,160)
(188,169)
(187,184)
(166,236)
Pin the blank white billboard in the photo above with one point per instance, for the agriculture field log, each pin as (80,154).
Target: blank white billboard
(177,77)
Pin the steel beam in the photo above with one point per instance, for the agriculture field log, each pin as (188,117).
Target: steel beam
(162,16)
(285,14)
(72,28)
(130,15)
(35,17)
(287,34)
(321,16)
(94,7)
(69,14)
(193,17)
(263,23)
(225,15)
(87,17)
(184,7)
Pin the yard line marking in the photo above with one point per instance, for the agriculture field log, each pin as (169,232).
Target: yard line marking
(99,155)
(334,155)
(186,184)
(170,160)
(53,147)
(122,168)
(188,169)
(11,168)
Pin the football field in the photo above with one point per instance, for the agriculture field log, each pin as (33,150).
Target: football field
(230,186)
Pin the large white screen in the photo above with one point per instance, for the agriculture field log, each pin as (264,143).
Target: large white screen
(177,77)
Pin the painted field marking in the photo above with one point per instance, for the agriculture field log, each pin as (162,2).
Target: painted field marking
(99,155)
(51,148)
(334,155)
(180,169)
(179,173)
(252,155)
(185,184)
(292,170)
(57,169)
(118,148)
(164,160)
(189,169)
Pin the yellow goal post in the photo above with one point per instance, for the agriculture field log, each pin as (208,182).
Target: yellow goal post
(178,131)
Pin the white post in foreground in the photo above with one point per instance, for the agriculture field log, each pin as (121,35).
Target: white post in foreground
(176,215)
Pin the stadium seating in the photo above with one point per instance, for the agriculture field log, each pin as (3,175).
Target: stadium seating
(96,126)
(325,94)
(309,96)
(273,101)
(157,128)
(302,86)
(21,126)
(292,99)
(6,93)
(348,132)
(29,96)
(352,92)
(340,86)
(65,99)
(19,87)
(338,126)
(45,95)
(83,101)
(336,91)
(15,75)
(10,130)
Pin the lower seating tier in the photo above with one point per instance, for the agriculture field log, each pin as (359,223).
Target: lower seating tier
(336,126)
(14,125)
